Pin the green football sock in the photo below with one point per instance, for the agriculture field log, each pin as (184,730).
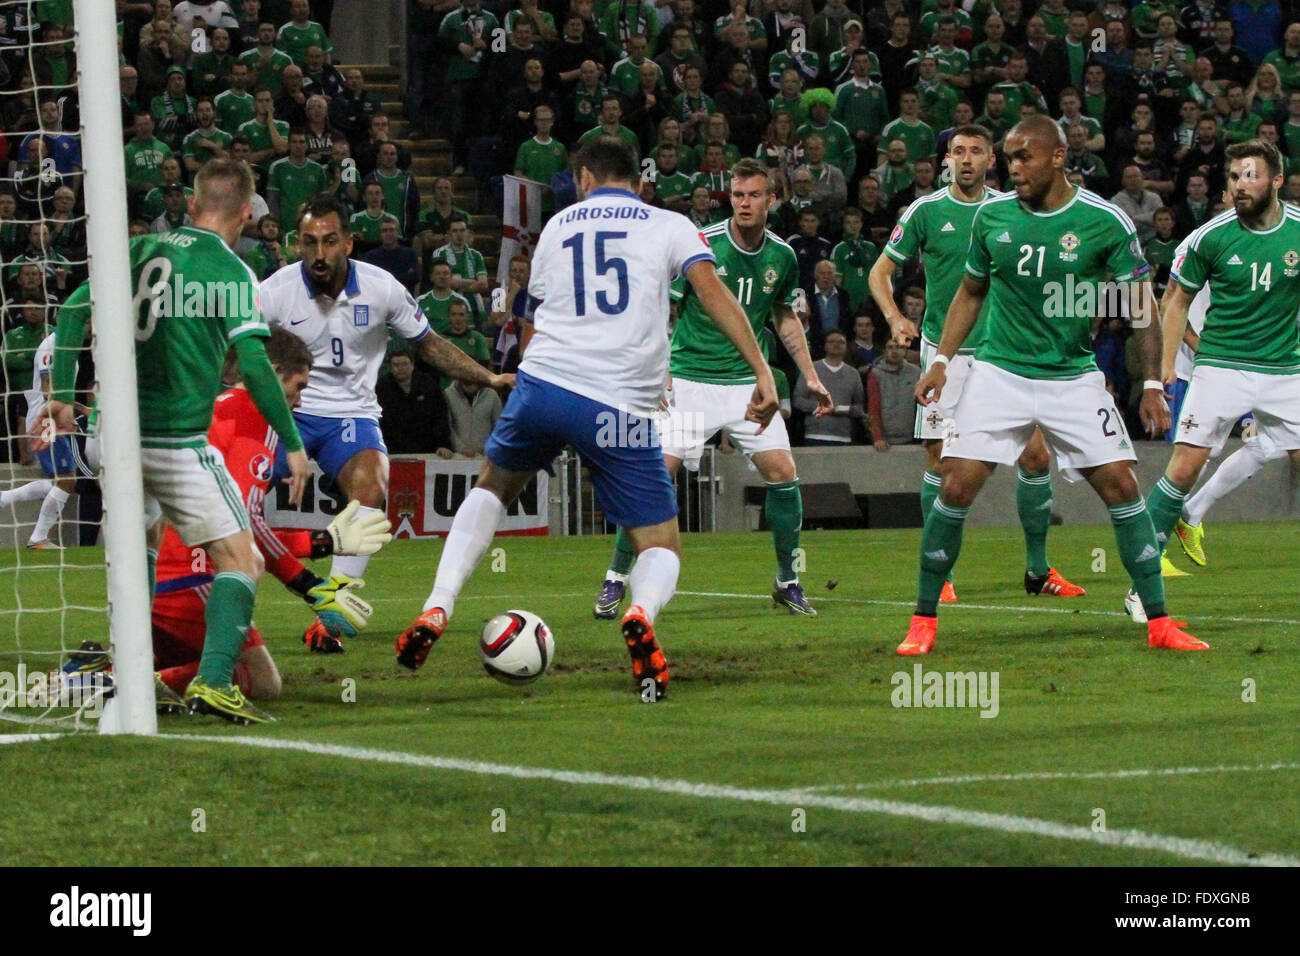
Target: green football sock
(151,561)
(784,510)
(940,545)
(230,612)
(1034,503)
(1136,537)
(621,563)
(1165,505)
(930,483)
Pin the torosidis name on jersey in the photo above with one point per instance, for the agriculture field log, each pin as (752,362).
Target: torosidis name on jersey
(607,212)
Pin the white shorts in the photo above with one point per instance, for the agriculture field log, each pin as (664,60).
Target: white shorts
(933,421)
(699,410)
(1218,397)
(999,411)
(194,491)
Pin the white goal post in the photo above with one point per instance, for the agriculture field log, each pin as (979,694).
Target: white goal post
(131,709)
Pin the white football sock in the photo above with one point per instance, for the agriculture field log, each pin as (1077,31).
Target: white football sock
(471,532)
(1237,468)
(51,511)
(654,579)
(353,565)
(32,491)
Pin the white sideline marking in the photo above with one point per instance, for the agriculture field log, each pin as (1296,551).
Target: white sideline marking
(1059,775)
(29,738)
(1188,849)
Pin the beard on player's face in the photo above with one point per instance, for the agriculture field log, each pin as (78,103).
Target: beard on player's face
(1250,206)
(324,272)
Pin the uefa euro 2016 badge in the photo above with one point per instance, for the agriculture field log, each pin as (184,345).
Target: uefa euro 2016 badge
(1069,242)
(1292,260)
(361,316)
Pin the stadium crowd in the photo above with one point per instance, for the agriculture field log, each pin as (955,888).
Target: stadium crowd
(848,103)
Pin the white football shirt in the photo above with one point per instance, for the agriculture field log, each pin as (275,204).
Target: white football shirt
(42,365)
(599,282)
(1196,310)
(348,336)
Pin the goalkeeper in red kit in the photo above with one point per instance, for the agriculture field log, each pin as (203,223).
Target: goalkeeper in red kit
(184,579)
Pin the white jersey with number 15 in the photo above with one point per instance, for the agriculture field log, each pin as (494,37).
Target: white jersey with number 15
(599,283)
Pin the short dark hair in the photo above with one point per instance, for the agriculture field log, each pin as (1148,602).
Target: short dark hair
(1259,150)
(287,353)
(972,130)
(323,205)
(608,158)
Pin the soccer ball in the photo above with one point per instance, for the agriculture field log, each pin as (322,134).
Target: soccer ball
(516,647)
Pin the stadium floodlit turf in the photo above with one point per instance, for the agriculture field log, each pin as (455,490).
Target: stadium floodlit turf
(778,744)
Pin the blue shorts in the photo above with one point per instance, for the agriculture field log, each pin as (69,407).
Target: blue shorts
(621,450)
(331,442)
(63,458)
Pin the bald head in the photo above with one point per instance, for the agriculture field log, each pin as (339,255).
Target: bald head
(1041,131)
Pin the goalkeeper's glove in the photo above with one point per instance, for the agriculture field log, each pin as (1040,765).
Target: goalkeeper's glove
(339,609)
(364,535)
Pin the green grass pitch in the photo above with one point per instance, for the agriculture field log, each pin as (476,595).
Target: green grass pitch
(795,714)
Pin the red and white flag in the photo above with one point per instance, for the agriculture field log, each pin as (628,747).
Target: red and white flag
(521,223)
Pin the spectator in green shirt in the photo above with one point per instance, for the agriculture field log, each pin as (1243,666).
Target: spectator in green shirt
(144,154)
(302,32)
(470,341)
(541,157)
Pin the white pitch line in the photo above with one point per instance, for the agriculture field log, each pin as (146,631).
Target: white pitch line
(1184,848)
(1057,775)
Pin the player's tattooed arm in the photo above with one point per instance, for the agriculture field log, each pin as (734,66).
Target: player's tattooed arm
(796,343)
(447,358)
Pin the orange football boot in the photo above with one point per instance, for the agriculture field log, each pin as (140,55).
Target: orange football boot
(1167,633)
(413,643)
(920,636)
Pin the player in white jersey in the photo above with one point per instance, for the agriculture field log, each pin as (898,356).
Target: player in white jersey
(592,377)
(343,310)
(61,461)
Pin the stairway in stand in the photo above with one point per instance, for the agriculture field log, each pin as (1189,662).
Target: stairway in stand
(431,158)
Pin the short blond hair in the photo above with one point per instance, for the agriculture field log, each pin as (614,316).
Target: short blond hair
(223,186)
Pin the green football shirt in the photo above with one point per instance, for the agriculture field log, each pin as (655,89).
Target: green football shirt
(366,227)
(918,136)
(233,110)
(938,228)
(540,161)
(295,184)
(853,258)
(1255,282)
(1047,273)
(208,302)
(761,280)
(190,144)
(436,309)
(259,134)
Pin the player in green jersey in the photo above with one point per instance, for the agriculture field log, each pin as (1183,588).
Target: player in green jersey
(194,300)
(710,383)
(938,226)
(1042,257)
(1248,353)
